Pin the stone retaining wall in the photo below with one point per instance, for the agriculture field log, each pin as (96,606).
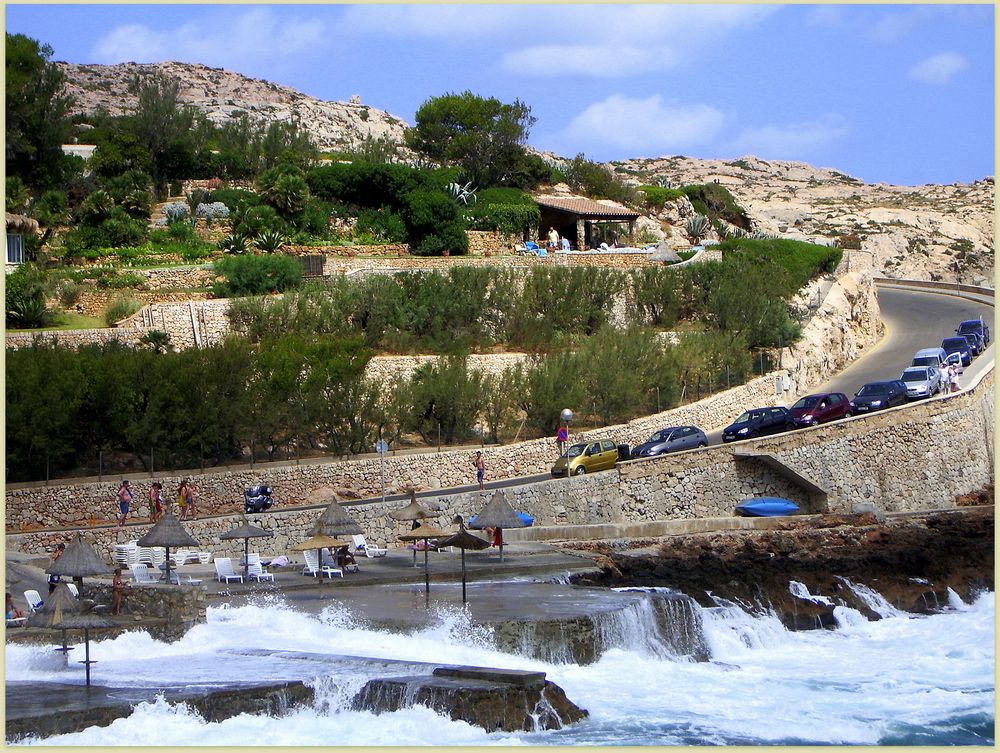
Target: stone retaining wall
(910,458)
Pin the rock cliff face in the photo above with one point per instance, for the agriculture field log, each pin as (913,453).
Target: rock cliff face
(222,95)
(836,559)
(929,232)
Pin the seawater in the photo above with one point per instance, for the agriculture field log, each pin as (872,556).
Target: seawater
(901,680)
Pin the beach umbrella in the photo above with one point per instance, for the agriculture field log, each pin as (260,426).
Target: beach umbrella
(79,560)
(424,532)
(58,604)
(86,621)
(166,533)
(498,514)
(463,540)
(246,532)
(319,542)
(335,521)
(414,512)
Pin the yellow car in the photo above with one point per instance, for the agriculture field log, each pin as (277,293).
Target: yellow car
(587,457)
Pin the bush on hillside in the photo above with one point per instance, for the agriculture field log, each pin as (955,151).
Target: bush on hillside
(256,275)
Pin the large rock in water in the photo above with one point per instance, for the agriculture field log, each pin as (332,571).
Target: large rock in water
(494,699)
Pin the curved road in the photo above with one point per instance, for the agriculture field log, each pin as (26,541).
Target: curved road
(913,320)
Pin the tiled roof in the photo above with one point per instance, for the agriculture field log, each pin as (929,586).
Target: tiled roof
(585,207)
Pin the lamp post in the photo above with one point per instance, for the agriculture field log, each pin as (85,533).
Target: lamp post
(566,415)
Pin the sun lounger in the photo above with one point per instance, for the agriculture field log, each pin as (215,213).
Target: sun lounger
(362,547)
(224,570)
(33,599)
(257,572)
(73,589)
(140,574)
(313,568)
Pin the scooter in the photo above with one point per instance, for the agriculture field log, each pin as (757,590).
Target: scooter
(257,498)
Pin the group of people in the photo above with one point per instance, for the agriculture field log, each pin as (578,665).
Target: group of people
(949,377)
(185,500)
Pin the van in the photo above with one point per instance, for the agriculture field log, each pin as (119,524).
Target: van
(929,357)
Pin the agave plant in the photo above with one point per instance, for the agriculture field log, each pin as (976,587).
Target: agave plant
(237,243)
(465,195)
(269,241)
(697,227)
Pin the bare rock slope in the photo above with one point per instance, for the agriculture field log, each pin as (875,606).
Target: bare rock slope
(222,95)
(931,232)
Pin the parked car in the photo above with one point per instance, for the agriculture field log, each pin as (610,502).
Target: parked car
(929,357)
(921,381)
(758,422)
(671,439)
(877,395)
(978,326)
(960,345)
(587,457)
(956,359)
(820,408)
(975,342)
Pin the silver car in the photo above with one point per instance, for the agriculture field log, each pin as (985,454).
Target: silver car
(921,381)
(673,439)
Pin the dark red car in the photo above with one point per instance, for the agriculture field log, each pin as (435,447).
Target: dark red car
(820,408)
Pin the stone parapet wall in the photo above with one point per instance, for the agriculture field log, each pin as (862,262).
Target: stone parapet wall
(74,338)
(390,368)
(374,250)
(95,302)
(178,277)
(487,242)
(940,449)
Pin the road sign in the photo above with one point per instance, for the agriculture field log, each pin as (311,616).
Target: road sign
(381,447)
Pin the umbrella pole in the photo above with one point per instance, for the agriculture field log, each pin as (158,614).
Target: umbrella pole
(246,560)
(166,566)
(427,578)
(414,556)
(463,574)
(319,573)
(500,533)
(86,651)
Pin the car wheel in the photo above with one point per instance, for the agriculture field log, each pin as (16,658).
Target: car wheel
(702,444)
(580,470)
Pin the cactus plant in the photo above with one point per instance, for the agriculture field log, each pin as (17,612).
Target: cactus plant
(269,241)
(465,195)
(697,227)
(234,244)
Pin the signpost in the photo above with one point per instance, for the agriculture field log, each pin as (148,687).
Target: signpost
(382,447)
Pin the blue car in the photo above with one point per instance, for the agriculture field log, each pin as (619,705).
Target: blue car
(958,345)
(978,326)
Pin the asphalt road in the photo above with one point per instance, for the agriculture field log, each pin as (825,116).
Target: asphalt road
(913,319)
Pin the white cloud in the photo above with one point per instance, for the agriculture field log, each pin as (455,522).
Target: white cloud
(825,16)
(587,60)
(640,126)
(894,26)
(790,140)
(453,22)
(255,36)
(939,69)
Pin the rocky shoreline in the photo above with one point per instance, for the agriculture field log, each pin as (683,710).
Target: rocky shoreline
(912,561)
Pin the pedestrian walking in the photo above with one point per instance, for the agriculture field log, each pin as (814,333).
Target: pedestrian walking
(182,500)
(945,371)
(480,463)
(189,499)
(955,385)
(125,498)
(155,502)
(553,239)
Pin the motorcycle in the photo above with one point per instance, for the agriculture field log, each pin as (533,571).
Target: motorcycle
(257,498)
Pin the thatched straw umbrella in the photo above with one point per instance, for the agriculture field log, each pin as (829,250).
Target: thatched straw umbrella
(335,521)
(246,532)
(59,604)
(168,532)
(413,512)
(78,561)
(424,532)
(319,542)
(498,514)
(463,540)
(18,223)
(86,621)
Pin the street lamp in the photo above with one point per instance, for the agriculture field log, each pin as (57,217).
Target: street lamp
(566,415)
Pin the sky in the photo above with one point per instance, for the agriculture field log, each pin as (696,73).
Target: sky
(900,94)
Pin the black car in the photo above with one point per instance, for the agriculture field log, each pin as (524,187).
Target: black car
(960,345)
(878,395)
(757,422)
(975,325)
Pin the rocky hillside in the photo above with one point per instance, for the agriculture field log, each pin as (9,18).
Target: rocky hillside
(222,94)
(930,232)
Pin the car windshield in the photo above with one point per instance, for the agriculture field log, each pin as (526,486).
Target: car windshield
(973,326)
(915,375)
(575,450)
(810,401)
(872,389)
(955,342)
(744,417)
(661,436)
(925,361)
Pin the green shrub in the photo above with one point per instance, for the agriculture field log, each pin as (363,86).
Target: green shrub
(657,197)
(24,298)
(598,181)
(382,224)
(444,400)
(120,308)
(715,202)
(256,275)
(182,231)
(121,280)
(234,198)
(449,238)
(802,261)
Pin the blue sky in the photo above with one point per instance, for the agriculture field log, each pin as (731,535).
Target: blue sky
(895,93)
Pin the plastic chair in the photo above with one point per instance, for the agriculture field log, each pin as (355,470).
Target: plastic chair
(33,599)
(140,574)
(224,570)
(362,547)
(313,568)
(257,572)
